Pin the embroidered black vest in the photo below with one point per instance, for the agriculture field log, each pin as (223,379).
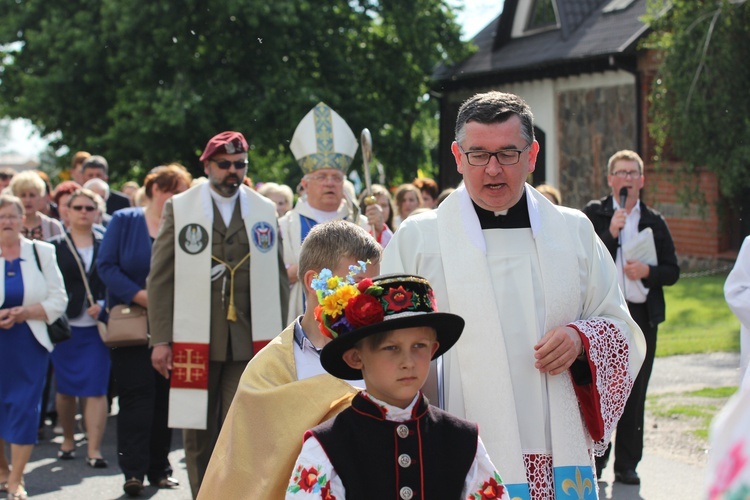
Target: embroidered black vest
(427,457)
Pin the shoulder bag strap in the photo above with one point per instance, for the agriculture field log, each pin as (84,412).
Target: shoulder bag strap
(36,257)
(80,267)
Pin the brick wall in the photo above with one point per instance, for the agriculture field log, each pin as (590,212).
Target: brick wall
(697,229)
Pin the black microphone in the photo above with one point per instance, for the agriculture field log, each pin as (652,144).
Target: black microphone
(623,196)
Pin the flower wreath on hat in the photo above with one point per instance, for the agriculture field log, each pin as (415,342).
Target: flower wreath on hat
(344,305)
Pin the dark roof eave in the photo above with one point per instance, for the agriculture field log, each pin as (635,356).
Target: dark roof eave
(556,69)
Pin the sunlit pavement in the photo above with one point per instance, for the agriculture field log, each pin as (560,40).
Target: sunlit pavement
(51,479)
(663,477)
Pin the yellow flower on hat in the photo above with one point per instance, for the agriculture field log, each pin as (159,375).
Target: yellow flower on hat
(333,305)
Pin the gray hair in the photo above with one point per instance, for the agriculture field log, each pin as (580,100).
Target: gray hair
(98,184)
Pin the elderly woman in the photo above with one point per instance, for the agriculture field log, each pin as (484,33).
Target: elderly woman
(281,194)
(82,363)
(30,188)
(32,295)
(143,438)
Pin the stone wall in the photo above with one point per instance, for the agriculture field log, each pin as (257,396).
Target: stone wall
(592,125)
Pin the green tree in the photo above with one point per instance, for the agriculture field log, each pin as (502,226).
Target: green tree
(700,104)
(145,83)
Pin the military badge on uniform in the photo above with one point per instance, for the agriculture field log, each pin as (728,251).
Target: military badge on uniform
(193,239)
(263,236)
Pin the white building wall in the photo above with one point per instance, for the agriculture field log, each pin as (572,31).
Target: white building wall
(541,96)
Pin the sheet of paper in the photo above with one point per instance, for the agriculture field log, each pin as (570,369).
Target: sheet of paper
(641,248)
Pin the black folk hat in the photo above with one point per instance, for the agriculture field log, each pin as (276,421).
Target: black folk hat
(386,303)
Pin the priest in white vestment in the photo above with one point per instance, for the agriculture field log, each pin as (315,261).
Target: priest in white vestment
(550,352)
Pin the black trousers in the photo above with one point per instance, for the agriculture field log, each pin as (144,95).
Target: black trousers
(629,435)
(143,438)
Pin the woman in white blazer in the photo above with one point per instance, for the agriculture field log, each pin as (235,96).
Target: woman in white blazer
(31,298)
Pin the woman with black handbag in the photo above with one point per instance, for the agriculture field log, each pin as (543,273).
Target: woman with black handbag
(32,295)
(82,364)
(143,438)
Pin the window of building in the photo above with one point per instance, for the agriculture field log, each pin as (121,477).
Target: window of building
(542,15)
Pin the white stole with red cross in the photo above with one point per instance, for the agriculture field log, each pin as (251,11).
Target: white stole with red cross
(193,220)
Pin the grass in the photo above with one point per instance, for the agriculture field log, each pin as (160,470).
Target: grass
(698,318)
(700,406)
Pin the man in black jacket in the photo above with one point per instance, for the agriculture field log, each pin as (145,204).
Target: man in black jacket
(641,284)
(97,167)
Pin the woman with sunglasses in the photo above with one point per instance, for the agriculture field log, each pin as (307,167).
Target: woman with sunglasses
(82,363)
(143,438)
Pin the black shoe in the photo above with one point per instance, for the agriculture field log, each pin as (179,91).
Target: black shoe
(97,463)
(133,487)
(600,465)
(629,476)
(66,455)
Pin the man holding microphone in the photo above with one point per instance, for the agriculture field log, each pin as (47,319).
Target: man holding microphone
(617,219)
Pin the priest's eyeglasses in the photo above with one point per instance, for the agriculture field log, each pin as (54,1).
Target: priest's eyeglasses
(322,177)
(503,157)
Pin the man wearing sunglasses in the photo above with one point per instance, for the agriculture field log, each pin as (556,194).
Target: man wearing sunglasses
(549,349)
(619,219)
(218,291)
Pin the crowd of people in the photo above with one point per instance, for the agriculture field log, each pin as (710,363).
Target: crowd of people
(293,340)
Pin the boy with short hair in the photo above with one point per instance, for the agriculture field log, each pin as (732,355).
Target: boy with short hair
(390,443)
(284,389)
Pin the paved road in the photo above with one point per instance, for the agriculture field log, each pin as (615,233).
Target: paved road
(662,478)
(50,479)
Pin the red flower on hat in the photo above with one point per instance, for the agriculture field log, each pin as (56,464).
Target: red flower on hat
(431,298)
(318,311)
(364,285)
(363,310)
(398,299)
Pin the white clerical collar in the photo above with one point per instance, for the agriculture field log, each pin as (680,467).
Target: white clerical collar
(321,216)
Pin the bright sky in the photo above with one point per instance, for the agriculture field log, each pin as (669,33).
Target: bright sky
(475,16)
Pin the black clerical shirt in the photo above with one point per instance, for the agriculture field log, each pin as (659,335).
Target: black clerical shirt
(516,218)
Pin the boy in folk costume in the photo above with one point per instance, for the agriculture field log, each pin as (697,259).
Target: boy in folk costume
(324,147)
(284,390)
(391,443)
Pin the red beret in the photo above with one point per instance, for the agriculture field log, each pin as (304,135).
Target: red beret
(226,142)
